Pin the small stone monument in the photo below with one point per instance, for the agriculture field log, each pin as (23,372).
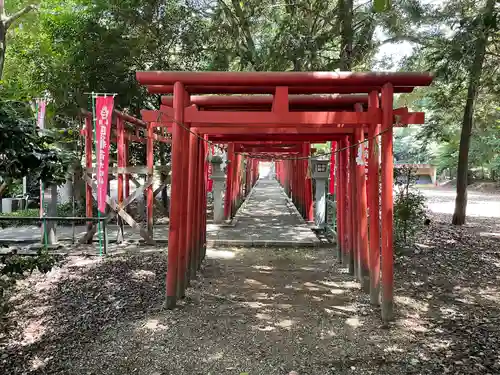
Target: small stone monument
(219,178)
(320,175)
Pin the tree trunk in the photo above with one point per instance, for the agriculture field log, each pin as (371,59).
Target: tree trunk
(475,73)
(3,33)
(346,34)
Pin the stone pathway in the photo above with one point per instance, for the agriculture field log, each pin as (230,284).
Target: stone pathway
(266,218)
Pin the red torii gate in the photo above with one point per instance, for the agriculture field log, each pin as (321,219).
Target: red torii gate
(125,129)
(231,120)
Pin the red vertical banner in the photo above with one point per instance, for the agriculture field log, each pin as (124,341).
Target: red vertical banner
(41,105)
(210,182)
(333,147)
(104,110)
(40,116)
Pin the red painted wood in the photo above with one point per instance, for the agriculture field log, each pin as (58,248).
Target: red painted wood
(127,175)
(387,203)
(353,266)
(347,225)
(374,206)
(297,130)
(309,189)
(362,222)
(339,198)
(331,186)
(149,189)
(163,118)
(175,202)
(283,78)
(192,193)
(309,89)
(184,198)
(270,100)
(229,181)
(254,119)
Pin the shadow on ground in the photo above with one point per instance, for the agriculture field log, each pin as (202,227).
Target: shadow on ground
(261,311)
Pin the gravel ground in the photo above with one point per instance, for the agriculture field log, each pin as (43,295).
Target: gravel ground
(265,311)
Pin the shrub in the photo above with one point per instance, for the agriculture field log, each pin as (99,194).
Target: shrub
(409,209)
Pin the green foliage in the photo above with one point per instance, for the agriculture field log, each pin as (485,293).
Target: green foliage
(23,151)
(409,209)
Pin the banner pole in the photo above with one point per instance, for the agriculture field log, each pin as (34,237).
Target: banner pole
(94,119)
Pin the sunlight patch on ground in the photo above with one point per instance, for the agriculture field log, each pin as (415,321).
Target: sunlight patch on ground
(263,316)
(286,323)
(37,363)
(437,345)
(142,274)
(490,294)
(153,325)
(412,303)
(309,268)
(343,284)
(335,309)
(393,349)
(220,254)
(490,234)
(354,322)
(254,304)
(33,332)
(261,296)
(414,325)
(215,357)
(265,268)
(264,329)
(313,287)
(256,283)
(335,292)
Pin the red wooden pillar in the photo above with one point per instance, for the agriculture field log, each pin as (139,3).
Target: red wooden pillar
(387,203)
(346,197)
(302,185)
(184,231)
(363,270)
(353,266)
(191,202)
(339,188)
(229,181)
(120,129)
(234,184)
(203,210)
(127,175)
(88,162)
(237,184)
(176,202)
(295,186)
(333,164)
(309,190)
(373,204)
(150,165)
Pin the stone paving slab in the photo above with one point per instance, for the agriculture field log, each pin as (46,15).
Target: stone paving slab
(266,218)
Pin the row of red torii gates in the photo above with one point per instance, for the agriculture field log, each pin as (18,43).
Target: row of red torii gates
(283,125)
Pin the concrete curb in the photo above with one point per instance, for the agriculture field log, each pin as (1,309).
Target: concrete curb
(264,243)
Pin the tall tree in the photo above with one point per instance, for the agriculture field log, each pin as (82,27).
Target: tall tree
(486,22)
(5,23)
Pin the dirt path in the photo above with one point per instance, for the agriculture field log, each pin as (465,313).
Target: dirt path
(268,312)
(259,311)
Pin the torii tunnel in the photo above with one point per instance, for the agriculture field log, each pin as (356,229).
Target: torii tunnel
(278,116)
